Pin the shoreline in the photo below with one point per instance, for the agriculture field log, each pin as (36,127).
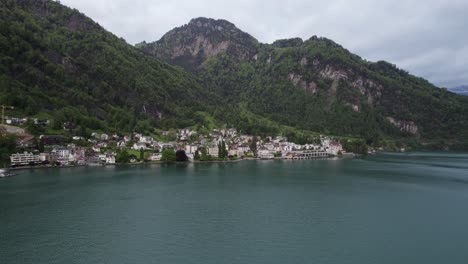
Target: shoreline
(154,162)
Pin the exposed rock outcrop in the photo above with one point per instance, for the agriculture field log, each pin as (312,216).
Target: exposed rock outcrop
(406,126)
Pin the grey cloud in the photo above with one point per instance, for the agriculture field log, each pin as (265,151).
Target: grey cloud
(427,38)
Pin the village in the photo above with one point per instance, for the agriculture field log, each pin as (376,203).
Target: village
(225,144)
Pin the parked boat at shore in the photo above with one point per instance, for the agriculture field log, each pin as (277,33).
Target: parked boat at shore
(4,173)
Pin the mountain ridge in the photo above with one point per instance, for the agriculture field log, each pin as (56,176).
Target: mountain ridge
(463,90)
(330,84)
(56,63)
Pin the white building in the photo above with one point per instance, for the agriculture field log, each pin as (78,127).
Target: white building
(191,148)
(23,159)
(155,157)
(110,159)
(214,152)
(62,152)
(265,154)
(139,145)
(146,140)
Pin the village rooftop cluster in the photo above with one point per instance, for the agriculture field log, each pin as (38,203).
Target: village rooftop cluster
(219,144)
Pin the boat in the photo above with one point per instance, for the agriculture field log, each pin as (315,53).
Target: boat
(4,173)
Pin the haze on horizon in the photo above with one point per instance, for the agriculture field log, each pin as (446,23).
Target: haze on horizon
(426,38)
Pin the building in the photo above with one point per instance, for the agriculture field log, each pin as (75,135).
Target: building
(138,146)
(155,157)
(63,153)
(191,148)
(24,159)
(265,154)
(53,139)
(214,152)
(110,159)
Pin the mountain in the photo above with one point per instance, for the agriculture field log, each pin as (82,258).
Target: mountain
(314,85)
(57,63)
(463,90)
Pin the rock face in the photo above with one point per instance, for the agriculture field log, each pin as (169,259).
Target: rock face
(406,126)
(297,80)
(190,45)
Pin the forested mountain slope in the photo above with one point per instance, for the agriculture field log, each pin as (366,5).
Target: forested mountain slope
(57,62)
(315,84)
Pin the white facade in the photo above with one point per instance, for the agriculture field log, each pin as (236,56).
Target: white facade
(155,157)
(110,159)
(23,159)
(265,154)
(138,146)
(62,153)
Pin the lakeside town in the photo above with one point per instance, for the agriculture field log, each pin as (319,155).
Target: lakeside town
(225,144)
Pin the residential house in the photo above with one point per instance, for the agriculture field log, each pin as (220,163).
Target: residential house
(104,137)
(155,157)
(265,154)
(138,146)
(52,139)
(110,159)
(213,151)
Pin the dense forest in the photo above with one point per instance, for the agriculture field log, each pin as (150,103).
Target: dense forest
(56,63)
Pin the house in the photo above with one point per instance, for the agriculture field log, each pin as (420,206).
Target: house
(102,157)
(69,126)
(138,146)
(41,122)
(265,154)
(104,137)
(63,153)
(26,141)
(110,159)
(214,151)
(167,145)
(121,144)
(334,148)
(52,139)
(155,157)
(233,152)
(191,148)
(146,140)
(16,121)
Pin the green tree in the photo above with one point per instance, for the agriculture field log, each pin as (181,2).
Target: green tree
(142,154)
(223,149)
(123,157)
(204,155)
(41,145)
(7,147)
(253,145)
(222,152)
(168,155)
(197,155)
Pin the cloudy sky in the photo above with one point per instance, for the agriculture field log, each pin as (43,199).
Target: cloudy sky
(429,38)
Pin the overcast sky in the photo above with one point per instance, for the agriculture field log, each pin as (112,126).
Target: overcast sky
(429,38)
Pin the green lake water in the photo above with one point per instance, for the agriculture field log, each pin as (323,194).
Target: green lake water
(388,208)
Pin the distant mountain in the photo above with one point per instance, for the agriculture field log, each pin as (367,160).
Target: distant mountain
(314,85)
(463,90)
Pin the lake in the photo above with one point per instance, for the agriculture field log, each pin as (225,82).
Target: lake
(388,208)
